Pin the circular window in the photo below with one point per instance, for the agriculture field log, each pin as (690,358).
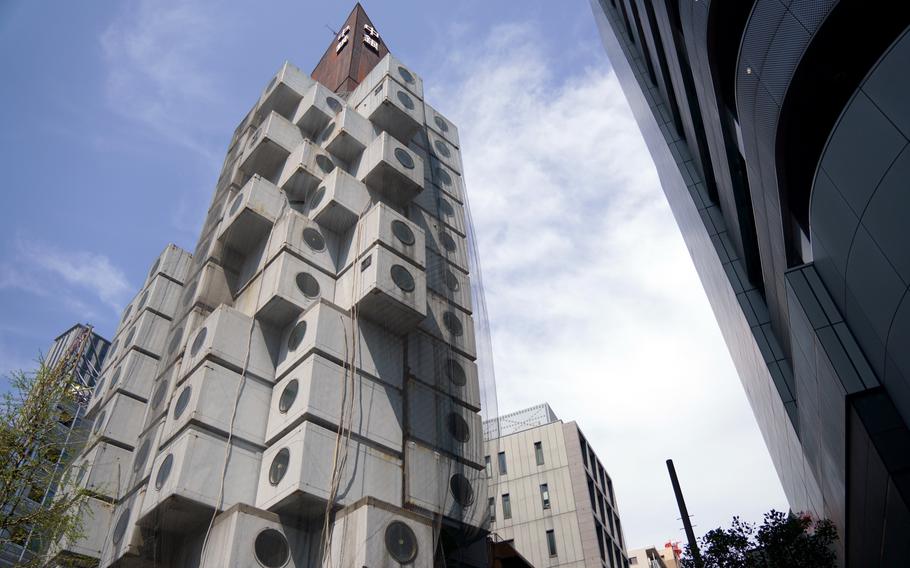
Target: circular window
(130,336)
(83,469)
(199,255)
(334,104)
(325,163)
(452,323)
(440,123)
(272,550)
(99,387)
(442,148)
(456,373)
(199,341)
(99,422)
(236,205)
(327,132)
(296,336)
(452,281)
(127,312)
(402,232)
(164,471)
(401,542)
(443,176)
(175,341)
(142,455)
(155,267)
(446,208)
(288,395)
(113,348)
(458,427)
(405,100)
(402,278)
(447,241)
(182,401)
(120,528)
(190,292)
(158,397)
(279,466)
(307,284)
(461,490)
(116,376)
(314,239)
(404,158)
(316,197)
(406,75)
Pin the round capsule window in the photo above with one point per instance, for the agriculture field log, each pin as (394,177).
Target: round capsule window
(404,158)
(405,100)
(327,132)
(116,376)
(130,335)
(154,267)
(334,104)
(236,204)
(461,490)
(401,542)
(83,469)
(405,75)
(190,292)
(271,548)
(296,336)
(316,197)
(199,341)
(175,341)
(442,148)
(288,396)
(447,241)
(441,124)
(99,422)
(458,427)
(120,528)
(279,466)
(314,239)
(158,397)
(113,348)
(452,281)
(99,388)
(443,177)
(127,312)
(325,163)
(446,208)
(307,284)
(402,232)
(452,323)
(164,471)
(142,455)
(402,278)
(456,373)
(182,401)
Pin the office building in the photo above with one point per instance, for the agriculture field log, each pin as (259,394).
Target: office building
(780,134)
(302,390)
(87,350)
(549,493)
(668,556)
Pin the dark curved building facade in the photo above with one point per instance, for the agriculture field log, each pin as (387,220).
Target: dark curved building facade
(780,132)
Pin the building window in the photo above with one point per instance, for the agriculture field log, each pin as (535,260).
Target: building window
(545,496)
(502,464)
(633,560)
(487,467)
(491,506)
(538,452)
(551,542)
(506,506)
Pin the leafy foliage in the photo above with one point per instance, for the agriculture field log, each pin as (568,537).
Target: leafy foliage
(781,541)
(36,445)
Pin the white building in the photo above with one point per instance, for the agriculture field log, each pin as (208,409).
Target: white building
(549,493)
(302,389)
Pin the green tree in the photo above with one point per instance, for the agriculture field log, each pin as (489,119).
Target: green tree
(781,541)
(37,446)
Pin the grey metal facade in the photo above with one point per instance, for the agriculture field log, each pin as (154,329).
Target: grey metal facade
(780,131)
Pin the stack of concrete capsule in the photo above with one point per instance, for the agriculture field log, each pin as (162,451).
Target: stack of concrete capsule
(315,354)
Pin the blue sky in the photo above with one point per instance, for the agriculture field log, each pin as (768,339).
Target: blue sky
(116,118)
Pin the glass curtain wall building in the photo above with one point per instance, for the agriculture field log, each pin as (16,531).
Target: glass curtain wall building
(305,389)
(780,132)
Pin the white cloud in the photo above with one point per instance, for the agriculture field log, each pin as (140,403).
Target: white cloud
(594,303)
(66,276)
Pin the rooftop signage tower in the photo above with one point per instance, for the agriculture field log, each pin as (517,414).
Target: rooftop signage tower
(303,389)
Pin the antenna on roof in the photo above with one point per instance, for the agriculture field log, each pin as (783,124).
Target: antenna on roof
(334,33)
